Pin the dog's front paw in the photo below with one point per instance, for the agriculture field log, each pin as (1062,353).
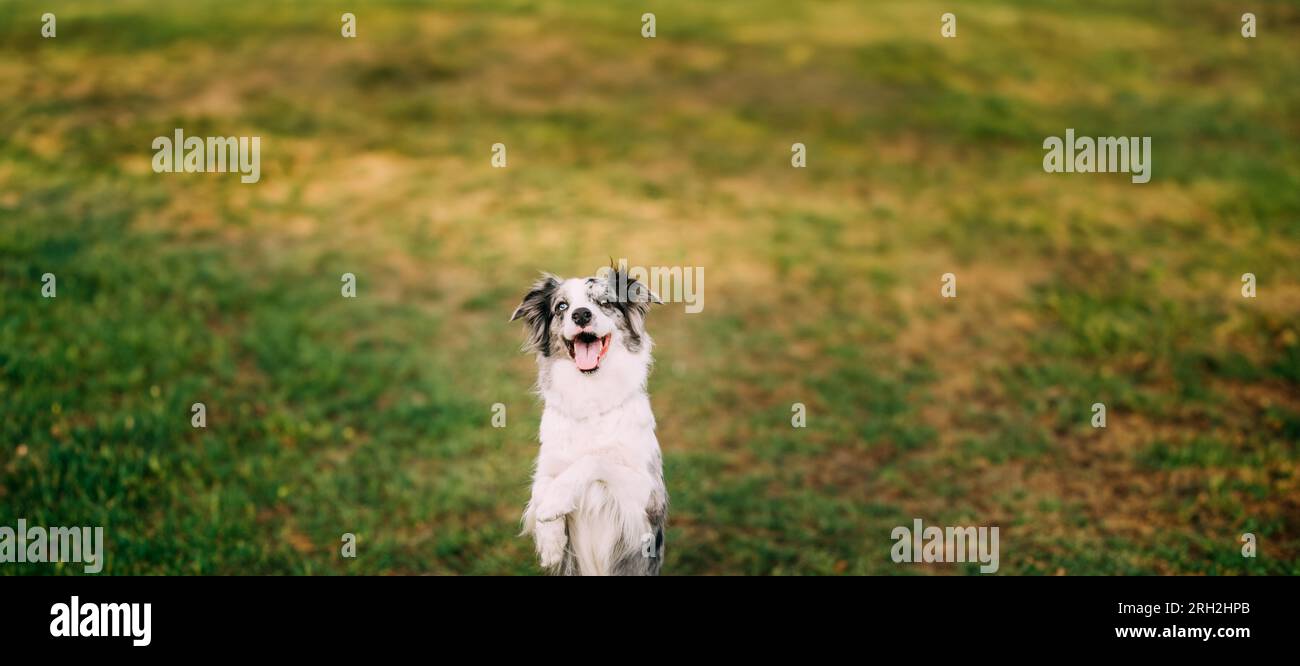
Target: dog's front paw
(551,541)
(554,506)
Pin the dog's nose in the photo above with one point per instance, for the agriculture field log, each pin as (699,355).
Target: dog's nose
(582,316)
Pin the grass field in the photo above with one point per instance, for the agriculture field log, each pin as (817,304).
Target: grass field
(372,415)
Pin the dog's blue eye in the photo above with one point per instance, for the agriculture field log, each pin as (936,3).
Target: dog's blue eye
(562,307)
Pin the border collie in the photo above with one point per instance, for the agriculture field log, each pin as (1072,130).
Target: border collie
(598,502)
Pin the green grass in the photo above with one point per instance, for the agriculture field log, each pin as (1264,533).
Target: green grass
(372,415)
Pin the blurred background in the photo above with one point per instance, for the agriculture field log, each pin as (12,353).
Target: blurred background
(372,415)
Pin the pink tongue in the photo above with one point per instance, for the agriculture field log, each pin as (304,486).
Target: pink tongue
(586,354)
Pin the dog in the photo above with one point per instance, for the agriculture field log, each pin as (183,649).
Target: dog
(599,503)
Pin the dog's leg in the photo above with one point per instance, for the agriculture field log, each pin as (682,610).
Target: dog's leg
(561,495)
(656,514)
(551,542)
(548,536)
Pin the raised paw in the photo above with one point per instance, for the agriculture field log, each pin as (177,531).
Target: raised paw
(554,506)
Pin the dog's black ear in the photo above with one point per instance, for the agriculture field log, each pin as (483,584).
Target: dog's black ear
(538,296)
(535,310)
(628,293)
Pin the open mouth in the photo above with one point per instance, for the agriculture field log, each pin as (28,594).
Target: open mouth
(587,350)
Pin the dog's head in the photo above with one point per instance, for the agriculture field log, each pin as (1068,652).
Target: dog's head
(586,321)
